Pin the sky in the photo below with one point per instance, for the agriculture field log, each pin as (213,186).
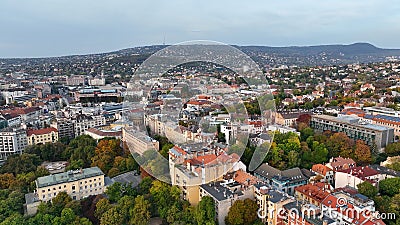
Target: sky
(41,28)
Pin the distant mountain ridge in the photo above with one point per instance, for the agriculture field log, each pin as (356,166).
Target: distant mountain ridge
(356,48)
(264,55)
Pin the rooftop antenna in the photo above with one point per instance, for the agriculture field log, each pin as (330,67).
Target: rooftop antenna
(164,40)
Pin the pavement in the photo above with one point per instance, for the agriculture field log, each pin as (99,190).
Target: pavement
(128,177)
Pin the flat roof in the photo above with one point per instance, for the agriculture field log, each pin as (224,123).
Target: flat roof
(351,120)
(68,176)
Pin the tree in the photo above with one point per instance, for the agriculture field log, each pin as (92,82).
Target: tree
(140,213)
(102,206)
(362,153)
(339,144)
(319,153)
(205,212)
(114,192)
(390,186)
(67,217)
(165,196)
(242,212)
(367,189)
(14,219)
(304,118)
(80,149)
(293,159)
(145,185)
(165,149)
(394,166)
(125,205)
(113,172)
(105,153)
(23,163)
(6,180)
(59,202)
(305,133)
(393,149)
(111,217)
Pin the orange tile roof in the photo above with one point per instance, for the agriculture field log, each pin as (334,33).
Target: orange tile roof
(242,177)
(321,169)
(318,191)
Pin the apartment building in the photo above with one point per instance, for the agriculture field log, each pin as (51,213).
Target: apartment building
(75,80)
(377,115)
(285,181)
(270,202)
(42,136)
(138,142)
(77,183)
(325,172)
(65,127)
(354,176)
(236,185)
(224,195)
(340,163)
(193,165)
(374,110)
(313,193)
(12,141)
(354,128)
(84,122)
(97,81)
(287,119)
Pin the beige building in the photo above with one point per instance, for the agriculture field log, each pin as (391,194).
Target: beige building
(78,184)
(194,165)
(103,132)
(287,119)
(138,142)
(42,136)
(160,124)
(270,203)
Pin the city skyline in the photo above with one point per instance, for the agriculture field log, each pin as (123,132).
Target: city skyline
(44,28)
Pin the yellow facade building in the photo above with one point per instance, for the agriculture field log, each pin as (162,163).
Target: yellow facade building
(42,136)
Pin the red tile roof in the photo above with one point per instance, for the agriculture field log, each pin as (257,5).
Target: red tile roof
(19,111)
(361,172)
(339,163)
(41,131)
